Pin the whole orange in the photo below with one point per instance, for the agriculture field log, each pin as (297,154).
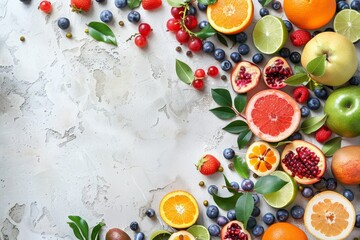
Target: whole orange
(310,15)
(284,231)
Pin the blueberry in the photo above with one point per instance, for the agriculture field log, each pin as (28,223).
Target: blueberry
(202,7)
(243,49)
(214,230)
(231,215)
(133,16)
(297,212)
(258,58)
(100,1)
(284,52)
(219,54)
(63,23)
(355,4)
(241,37)
(341,5)
(150,212)
(256,199)
(222,221)
(263,12)
(282,215)
(247,185)
(258,230)
(295,136)
(268,218)
(139,236)
(276,5)
(134,226)
(329,29)
(288,25)
(226,65)
(305,111)
(212,211)
(106,16)
(313,103)
(348,194)
(212,189)
(320,184)
(251,223)
(331,184)
(357,221)
(120,3)
(229,153)
(203,24)
(295,57)
(192,10)
(321,93)
(208,47)
(235,56)
(307,192)
(256,211)
(25,1)
(355,80)
(315,33)
(235,185)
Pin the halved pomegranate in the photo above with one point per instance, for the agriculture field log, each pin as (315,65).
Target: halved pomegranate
(276,71)
(245,76)
(234,230)
(304,161)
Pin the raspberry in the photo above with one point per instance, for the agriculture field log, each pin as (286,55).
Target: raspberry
(301,94)
(323,134)
(300,37)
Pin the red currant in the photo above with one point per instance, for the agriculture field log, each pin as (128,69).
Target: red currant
(195,44)
(198,84)
(45,6)
(182,36)
(177,12)
(140,41)
(144,29)
(173,25)
(190,22)
(213,71)
(199,73)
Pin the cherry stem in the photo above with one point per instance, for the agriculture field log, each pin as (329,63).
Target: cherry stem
(132,36)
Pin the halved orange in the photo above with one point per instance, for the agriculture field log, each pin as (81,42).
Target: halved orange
(179,209)
(230,16)
(182,235)
(329,215)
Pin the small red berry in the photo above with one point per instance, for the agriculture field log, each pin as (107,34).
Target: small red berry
(173,25)
(199,73)
(182,36)
(144,29)
(45,6)
(198,84)
(190,22)
(195,44)
(140,41)
(213,71)
(177,12)
(300,37)
(301,94)
(323,134)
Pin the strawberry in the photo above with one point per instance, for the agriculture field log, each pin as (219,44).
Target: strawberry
(208,165)
(300,37)
(323,134)
(151,4)
(301,94)
(80,5)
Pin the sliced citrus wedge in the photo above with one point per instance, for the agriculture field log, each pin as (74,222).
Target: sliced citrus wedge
(347,23)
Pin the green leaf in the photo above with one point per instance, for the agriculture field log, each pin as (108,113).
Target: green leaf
(232,38)
(312,124)
(312,85)
(241,167)
(316,66)
(184,72)
(298,69)
(175,3)
(206,32)
(297,79)
(278,144)
(222,97)
(221,39)
(264,3)
(244,207)
(269,184)
(226,203)
(224,113)
(240,102)
(133,3)
(207,2)
(101,32)
(236,127)
(76,231)
(244,138)
(95,234)
(331,146)
(228,186)
(81,224)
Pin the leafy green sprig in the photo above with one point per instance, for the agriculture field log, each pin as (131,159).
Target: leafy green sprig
(81,228)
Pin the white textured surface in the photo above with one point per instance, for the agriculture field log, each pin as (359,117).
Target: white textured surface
(99,131)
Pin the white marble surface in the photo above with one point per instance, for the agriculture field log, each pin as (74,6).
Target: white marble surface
(99,131)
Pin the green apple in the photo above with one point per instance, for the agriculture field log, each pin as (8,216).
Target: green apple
(341,57)
(343,111)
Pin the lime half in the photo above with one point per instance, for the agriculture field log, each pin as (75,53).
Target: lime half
(347,23)
(270,34)
(199,232)
(160,235)
(286,195)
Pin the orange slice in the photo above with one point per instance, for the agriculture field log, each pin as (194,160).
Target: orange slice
(230,16)
(179,209)
(329,216)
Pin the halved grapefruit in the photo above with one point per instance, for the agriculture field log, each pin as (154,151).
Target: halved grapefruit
(272,115)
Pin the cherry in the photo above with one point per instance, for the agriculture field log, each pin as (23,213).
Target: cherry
(177,12)
(182,36)
(190,22)
(45,6)
(195,44)
(140,41)
(199,73)
(213,71)
(173,25)
(198,84)
(144,29)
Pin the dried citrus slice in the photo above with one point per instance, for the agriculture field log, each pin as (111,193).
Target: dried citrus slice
(179,209)
(272,115)
(230,16)
(182,235)
(262,158)
(329,215)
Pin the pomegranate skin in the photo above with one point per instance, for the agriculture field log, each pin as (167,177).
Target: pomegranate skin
(345,165)
(275,72)
(242,233)
(117,234)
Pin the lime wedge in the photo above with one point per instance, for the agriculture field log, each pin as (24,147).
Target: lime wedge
(160,235)
(347,23)
(270,34)
(286,195)
(199,232)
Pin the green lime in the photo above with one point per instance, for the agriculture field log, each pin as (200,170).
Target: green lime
(199,232)
(286,195)
(160,235)
(270,34)
(347,23)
